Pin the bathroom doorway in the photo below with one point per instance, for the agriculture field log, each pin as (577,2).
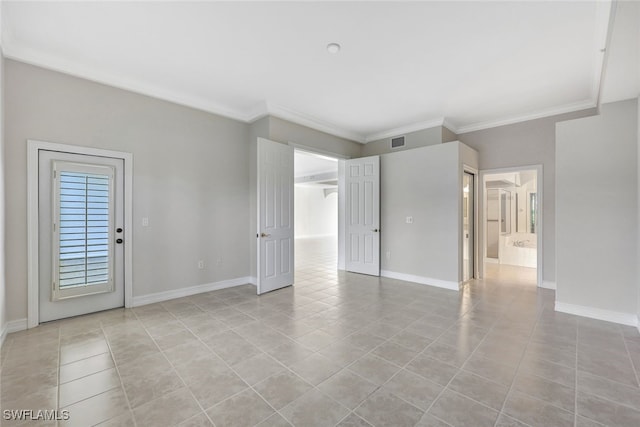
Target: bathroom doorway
(512,238)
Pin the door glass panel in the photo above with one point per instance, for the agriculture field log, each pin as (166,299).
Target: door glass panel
(82,247)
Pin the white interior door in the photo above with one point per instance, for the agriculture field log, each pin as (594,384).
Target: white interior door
(275,216)
(362,211)
(81,247)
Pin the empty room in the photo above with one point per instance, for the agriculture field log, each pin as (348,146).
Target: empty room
(320,213)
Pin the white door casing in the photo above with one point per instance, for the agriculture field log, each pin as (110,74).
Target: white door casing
(275,216)
(81,209)
(362,212)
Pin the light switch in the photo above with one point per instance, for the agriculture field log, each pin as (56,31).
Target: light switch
(409,220)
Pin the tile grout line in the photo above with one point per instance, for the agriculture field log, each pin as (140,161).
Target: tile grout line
(115,365)
(524,352)
(230,368)
(409,362)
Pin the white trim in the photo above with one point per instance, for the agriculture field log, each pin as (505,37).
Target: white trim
(11,327)
(638,323)
(33,147)
(540,219)
(45,60)
(261,109)
(605,19)
(630,319)
(547,284)
(16,326)
(253,280)
(317,151)
(476,270)
(192,290)
(313,123)
(446,284)
(413,127)
(547,112)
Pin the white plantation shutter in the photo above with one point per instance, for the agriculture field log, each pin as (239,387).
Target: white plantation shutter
(83,219)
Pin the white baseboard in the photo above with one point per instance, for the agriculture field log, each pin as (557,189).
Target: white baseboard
(547,284)
(185,292)
(630,319)
(253,281)
(492,260)
(12,326)
(638,322)
(454,286)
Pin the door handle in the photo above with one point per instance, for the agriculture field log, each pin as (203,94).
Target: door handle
(264,235)
(375,230)
(118,241)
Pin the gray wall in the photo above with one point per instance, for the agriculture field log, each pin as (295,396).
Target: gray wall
(597,193)
(423,183)
(284,131)
(191,176)
(523,144)
(421,138)
(448,135)
(257,129)
(280,130)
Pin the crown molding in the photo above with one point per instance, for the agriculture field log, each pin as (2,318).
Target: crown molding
(453,128)
(313,123)
(553,111)
(13,50)
(29,56)
(414,127)
(605,19)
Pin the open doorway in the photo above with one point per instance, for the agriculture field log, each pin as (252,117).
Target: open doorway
(316,211)
(512,227)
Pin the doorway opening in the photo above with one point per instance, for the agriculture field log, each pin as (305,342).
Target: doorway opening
(468,226)
(512,226)
(315,212)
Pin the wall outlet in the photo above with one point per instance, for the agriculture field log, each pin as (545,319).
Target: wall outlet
(388,254)
(200,264)
(145,222)
(409,220)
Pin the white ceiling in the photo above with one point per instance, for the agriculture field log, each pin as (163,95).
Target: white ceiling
(403,65)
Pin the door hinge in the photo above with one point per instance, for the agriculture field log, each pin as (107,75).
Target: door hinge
(54,226)
(55,173)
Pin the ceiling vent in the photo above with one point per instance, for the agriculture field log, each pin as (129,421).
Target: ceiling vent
(397,142)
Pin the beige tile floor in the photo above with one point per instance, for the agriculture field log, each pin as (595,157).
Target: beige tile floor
(336,349)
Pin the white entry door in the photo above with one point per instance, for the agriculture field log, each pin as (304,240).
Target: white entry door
(81,236)
(362,212)
(275,216)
